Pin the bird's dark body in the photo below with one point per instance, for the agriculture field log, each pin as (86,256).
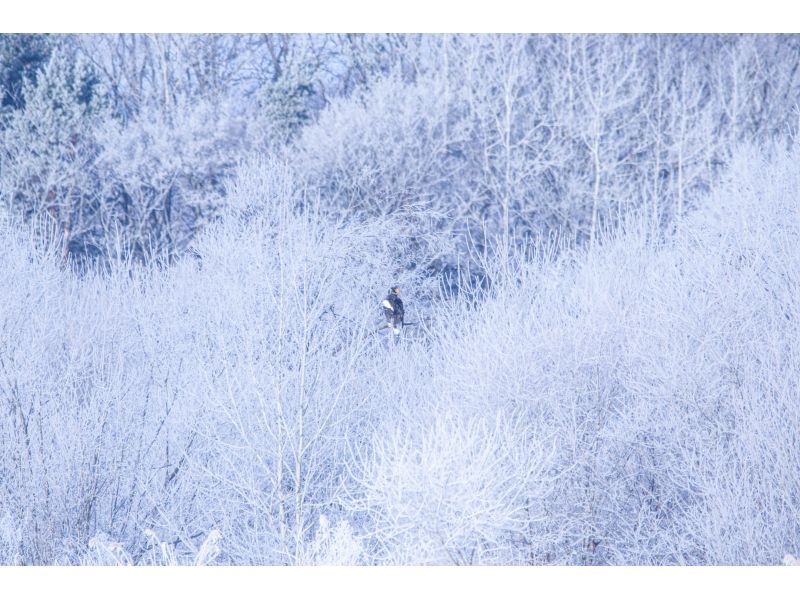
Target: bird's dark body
(393,310)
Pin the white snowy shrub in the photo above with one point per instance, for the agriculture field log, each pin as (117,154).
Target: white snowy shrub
(333,545)
(665,373)
(453,490)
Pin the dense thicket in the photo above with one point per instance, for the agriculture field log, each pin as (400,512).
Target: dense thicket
(635,403)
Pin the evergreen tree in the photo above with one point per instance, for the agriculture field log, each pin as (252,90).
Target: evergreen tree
(21,56)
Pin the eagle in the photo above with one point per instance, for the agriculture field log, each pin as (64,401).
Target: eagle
(393,310)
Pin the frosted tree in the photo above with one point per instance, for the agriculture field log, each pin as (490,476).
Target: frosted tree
(163,176)
(283,106)
(21,56)
(607,89)
(681,123)
(511,129)
(48,149)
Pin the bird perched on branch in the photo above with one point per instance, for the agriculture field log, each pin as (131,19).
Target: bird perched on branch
(393,310)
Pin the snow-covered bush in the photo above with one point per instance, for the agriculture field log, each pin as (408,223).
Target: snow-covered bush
(664,372)
(454,489)
(72,463)
(333,545)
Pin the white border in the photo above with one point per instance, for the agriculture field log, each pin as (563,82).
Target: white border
(427,16)
(414,582)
